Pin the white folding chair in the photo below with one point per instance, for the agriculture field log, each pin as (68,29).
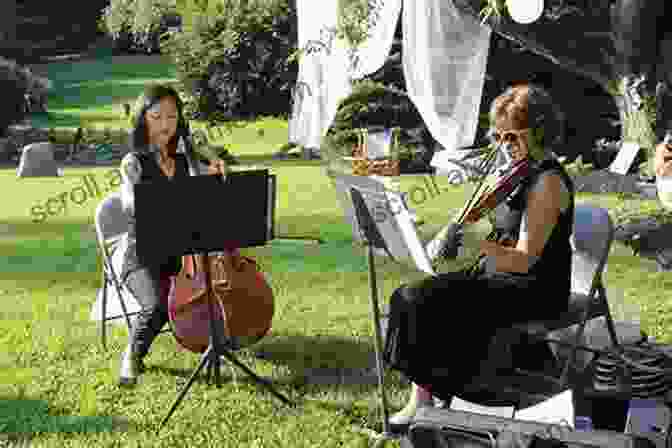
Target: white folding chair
(111,225)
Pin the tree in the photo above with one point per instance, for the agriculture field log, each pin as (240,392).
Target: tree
(8,18)
(617,45)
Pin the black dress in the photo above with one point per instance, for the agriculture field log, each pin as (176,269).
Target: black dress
(440,328)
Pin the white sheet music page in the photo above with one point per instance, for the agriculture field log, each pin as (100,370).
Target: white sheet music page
(557,410)
(458,404)
(624,159)
(406,226)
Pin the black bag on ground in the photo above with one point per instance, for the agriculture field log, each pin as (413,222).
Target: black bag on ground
(445,428)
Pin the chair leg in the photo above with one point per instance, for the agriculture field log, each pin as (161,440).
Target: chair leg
(121,302)
(610,321)
(572,357)
(103,317)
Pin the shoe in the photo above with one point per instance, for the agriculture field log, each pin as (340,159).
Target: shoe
(131,368)
(401,421)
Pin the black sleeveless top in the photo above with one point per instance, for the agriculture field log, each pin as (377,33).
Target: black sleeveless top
(151,172)
(553,269)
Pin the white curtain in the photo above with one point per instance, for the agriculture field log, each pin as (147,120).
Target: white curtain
(444,65)
(444,59)
(325,77)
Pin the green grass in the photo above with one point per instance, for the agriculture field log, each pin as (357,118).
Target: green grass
(91,92)
(59,386)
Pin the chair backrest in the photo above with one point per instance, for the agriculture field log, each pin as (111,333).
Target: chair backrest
(110,219)
(591,243)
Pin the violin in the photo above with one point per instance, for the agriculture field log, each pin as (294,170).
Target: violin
(498,189)
(494,189)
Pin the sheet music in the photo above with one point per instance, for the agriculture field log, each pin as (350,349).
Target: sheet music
(557,410)
(458,404)
(406,225)
(342,182)
(393,219)
(624,158)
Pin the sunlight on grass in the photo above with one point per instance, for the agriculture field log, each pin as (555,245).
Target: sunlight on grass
(321,323)
(58,384)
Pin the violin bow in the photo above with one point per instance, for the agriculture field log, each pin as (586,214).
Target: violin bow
(486,166)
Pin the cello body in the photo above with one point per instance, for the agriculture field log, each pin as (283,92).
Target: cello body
(243,302)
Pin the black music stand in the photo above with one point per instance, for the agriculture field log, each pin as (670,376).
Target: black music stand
(176,218)
(372,239)
(395,236)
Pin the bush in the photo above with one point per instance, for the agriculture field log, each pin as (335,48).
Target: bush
(232,60)
(16,84)
(374,106)
(137,25)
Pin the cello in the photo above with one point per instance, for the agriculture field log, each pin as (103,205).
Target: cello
(243,298)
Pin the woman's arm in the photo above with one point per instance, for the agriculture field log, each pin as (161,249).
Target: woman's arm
(663,160)
(543,210)
(131,171)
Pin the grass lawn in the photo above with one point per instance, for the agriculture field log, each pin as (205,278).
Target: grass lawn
(59,386)
(91,92)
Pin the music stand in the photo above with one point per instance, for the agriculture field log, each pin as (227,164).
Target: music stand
(393,232)
(171,221)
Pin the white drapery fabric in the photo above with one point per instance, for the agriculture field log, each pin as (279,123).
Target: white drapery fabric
(444,59)
(325,76)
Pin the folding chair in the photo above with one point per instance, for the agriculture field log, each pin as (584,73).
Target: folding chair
(111,225)
(591,243)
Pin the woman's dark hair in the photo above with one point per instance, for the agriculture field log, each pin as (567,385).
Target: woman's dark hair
(153,94)
(530,106)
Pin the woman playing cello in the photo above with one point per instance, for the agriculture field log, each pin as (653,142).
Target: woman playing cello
(429,319)
(158,127)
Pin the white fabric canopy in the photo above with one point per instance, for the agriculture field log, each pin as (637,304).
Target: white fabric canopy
(444,59)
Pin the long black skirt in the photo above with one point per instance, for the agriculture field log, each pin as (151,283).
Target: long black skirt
(440,328)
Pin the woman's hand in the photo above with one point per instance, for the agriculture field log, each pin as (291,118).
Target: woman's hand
(218,166)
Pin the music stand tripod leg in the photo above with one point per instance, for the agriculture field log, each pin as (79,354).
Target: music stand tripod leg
(205,359)
(211,357)
(257,378)
(379,439)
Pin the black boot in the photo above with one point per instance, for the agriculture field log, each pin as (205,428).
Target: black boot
(131,367)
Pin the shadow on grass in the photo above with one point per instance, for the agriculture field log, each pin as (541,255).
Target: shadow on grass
(21,417)
(267,160)
(315,360)
(74,120)
(320,360)
(59,247)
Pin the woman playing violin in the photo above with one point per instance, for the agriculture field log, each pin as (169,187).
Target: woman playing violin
(440,328)
(159,151)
